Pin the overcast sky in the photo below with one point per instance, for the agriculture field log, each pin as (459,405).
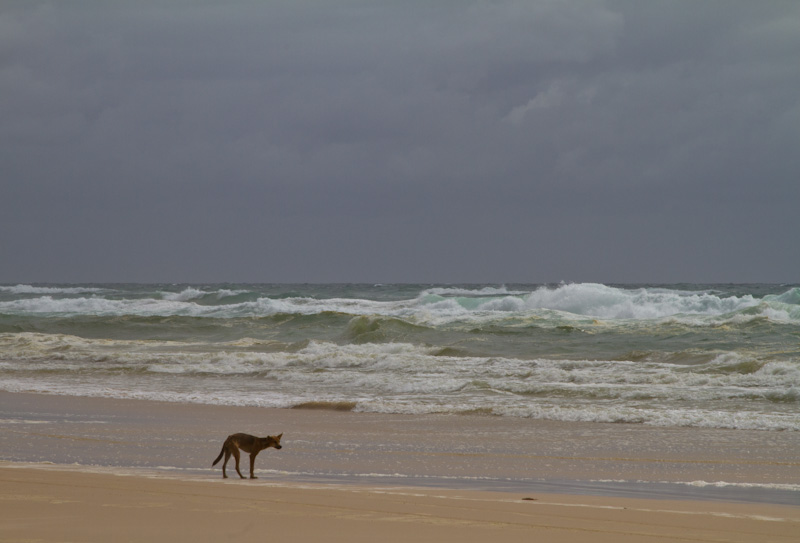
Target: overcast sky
(400,141)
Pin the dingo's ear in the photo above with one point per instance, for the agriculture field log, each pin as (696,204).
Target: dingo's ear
(279,436)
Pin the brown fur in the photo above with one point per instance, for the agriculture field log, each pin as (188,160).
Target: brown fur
(249,444)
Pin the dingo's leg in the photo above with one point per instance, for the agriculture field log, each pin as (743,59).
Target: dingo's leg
(236,455)
(225,463)
(252,465)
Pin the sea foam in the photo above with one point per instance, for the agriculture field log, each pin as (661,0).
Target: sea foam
(717,357)
(435,306)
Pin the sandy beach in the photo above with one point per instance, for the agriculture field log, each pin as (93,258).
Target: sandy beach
(86,469)
(54,505)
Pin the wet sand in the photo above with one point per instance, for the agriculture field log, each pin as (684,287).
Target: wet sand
(85,468)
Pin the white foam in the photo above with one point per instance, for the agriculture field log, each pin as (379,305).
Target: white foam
(418,396)
(601,301)
(191,293)
(30,289)
(184,296)
(402,366)
(725,484)
(436,306)
(48,305)
(485,291)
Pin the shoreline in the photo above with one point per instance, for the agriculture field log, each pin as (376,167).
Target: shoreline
(57,504)
(696,491)
(91,469)
(435,451)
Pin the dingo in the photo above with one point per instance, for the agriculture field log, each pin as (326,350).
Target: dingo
(249,444)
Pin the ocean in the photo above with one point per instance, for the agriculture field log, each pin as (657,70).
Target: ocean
(718,356)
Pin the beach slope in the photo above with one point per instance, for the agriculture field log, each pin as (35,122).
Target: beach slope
(62,504)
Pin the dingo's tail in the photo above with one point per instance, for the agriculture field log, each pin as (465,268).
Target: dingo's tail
(219,457)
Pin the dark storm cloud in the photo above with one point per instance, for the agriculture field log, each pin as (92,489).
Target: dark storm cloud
(416,141)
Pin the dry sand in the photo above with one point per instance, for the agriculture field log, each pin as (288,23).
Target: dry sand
(81,469)
(55,505)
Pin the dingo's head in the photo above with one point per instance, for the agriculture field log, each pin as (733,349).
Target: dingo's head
(274,441)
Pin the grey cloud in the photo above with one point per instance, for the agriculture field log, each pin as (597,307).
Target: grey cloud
(448,141)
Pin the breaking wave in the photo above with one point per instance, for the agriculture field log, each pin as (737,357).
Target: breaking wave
(435,305)
(718,356)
